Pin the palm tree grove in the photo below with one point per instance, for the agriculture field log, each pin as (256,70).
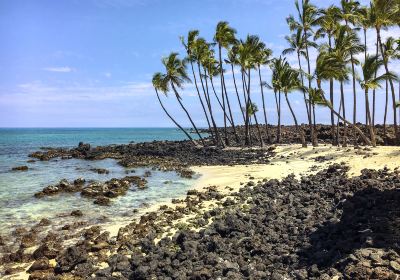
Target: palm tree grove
(338,36)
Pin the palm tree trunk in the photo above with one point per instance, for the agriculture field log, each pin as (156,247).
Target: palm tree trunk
(173,120)
(202,104)
(279,118)
(385,62)
(187,113)
(365,59)
(371,130)
(216,131)
(331,98)
(229,109)
(299,130)
(386,111)
(337,124)
(358,130)
(246,109)
(219,101)
(237,92)
(207,97)
(313,138)
(374,91)
(264,110)
(223,95)
(302,83)
(344,115)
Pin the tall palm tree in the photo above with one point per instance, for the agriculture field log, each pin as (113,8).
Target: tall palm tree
(370,81)
(189,46)
(262,57)
(386,13)
(277,66)
(290,82)
(351,14)
(225,37)
(365,22)
(329,66)
(176,75)
(160,84)
(232,60)
(328,24)
(346,44)
(247,53)
(307,19)
(296,44)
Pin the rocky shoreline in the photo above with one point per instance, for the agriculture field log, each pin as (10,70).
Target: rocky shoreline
(323,226)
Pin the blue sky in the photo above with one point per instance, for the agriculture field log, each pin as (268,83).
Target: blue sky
(89,63)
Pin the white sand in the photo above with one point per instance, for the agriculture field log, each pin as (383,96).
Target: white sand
(300,162)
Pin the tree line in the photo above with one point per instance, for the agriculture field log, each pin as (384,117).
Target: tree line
(342,56)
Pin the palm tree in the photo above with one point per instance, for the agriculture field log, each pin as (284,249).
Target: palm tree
(247,52)
(346,44)
(176,75)
(160,84)
(307,18)
(189,46)
(329,66)
(262,57)
(370,81)
(277,66)
(296,44)
(232,60)
(351,14)
(225,37)
(391,53)
(328,23)
(365,22)
(290,82)
(386,13)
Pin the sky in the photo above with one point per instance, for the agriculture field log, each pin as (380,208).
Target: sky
(74,63)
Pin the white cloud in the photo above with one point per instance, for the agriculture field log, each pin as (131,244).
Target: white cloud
(108,74)
(64,69)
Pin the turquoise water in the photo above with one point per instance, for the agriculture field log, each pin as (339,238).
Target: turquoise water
(19,207)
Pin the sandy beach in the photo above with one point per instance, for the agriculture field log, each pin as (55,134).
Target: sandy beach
(299,161)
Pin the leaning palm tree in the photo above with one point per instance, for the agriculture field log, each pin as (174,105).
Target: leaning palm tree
(176,75)
(328,66)
(225,37)
(307,18)
(160,84)
(386,13)
(371,81)
(290,82)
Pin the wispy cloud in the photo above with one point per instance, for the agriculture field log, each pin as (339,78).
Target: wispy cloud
(64,69)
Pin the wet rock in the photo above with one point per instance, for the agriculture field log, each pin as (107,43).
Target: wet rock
(103,201)
(77,213)
(20,168)
(100,170)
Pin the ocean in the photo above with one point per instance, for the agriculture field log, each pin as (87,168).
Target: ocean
(18,206)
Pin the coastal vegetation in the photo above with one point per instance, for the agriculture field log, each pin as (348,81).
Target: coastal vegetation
(339,37)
